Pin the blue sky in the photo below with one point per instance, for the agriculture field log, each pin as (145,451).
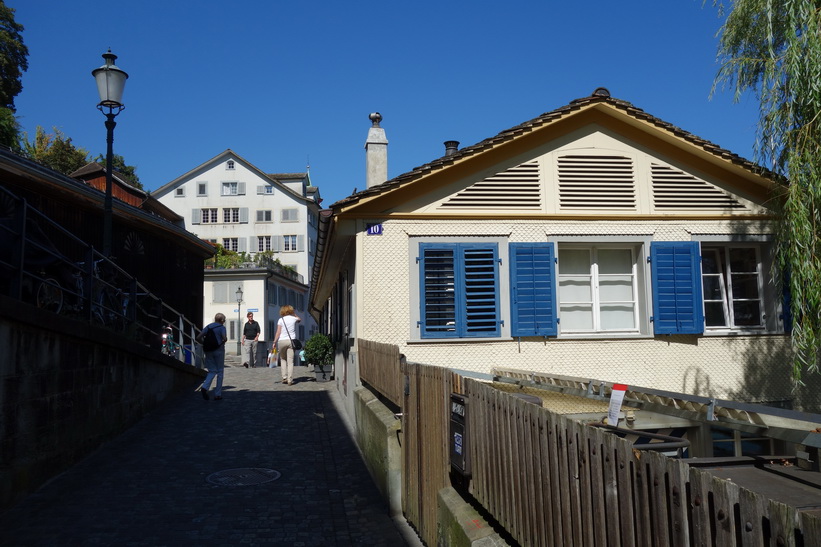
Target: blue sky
(285,84)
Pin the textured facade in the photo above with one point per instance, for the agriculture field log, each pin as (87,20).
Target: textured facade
(595,241)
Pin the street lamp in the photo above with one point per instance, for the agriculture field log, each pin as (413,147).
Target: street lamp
(110,85)
(239,320)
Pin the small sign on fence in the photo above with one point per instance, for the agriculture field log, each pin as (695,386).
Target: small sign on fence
(616,398)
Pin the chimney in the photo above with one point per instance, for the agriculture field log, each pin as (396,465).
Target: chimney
(451,147)
(376,153)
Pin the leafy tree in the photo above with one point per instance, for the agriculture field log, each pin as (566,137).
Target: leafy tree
(55,150)
(13,57)
(9,130)
(773,49)
(128,172)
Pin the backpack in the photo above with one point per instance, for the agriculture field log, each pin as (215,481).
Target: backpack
(209,341)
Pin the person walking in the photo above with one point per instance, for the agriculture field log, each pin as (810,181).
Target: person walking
(214,358)
(250,337)
(283,340)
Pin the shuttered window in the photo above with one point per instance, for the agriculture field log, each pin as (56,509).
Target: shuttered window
(533,290)
(677,295)
(459,290)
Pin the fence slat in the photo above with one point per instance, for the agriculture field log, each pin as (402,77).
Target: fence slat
(656,470)
(598,491)
(725,496)
(677,473)
(752,515)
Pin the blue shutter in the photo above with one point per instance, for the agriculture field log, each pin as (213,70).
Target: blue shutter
(676,274)
(480,290)
(459,287)
(533,289)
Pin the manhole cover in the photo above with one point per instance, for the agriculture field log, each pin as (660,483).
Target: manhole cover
(243,477)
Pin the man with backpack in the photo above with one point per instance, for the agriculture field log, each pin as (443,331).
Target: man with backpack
(213,338)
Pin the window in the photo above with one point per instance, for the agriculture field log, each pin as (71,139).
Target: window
(230,215)
(263,243)
(597,289)
(290,215)
(230,243)
(732,286)
(233,188)
(209,216)
(180,192)
(311,218)
(202,189)
(229,165)
(734,443)
(459,290)
(289,243)
(264,216)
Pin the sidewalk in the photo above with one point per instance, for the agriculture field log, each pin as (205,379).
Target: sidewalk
(269,464)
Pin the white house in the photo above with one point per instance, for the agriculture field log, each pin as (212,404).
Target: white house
(229,201)
(594,241)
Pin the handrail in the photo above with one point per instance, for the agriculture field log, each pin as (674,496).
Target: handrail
(44,264)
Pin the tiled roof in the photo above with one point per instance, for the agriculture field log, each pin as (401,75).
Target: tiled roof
(601,95)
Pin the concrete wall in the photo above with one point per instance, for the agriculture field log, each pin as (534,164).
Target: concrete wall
(377,434)
(65,388)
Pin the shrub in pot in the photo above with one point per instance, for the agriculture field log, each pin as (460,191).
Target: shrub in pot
(319,352)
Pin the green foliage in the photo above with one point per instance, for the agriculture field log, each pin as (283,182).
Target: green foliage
(54,150)
(13,57)
(127,172)
(773,49)
(9,130)
(319,350)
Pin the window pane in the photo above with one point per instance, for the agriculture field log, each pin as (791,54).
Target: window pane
(743,260)
(439,290)
(747,313)
(714,314)
(576,317)
(616,288)
(712,288)
(574,261)
(575,289)
(617,316)
(745,286)
(615,261)
(710,261)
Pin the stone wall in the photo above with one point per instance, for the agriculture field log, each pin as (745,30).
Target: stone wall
(66,387)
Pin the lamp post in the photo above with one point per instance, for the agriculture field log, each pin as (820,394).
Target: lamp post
(110,85)
(239,320)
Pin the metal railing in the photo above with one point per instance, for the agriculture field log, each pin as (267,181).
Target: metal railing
(44,264)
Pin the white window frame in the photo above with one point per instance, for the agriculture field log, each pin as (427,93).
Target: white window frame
(231,243)
(264,244)
(179,192)
(209,215)
(289,243)
(290,215)
(202,189)
(596,279)
(725,285)
(265,216)
(229,165)
(230,215)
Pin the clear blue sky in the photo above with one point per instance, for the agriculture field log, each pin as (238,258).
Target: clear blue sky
(287,83)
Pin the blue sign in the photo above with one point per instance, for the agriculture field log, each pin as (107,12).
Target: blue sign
(253,310)
(374,229)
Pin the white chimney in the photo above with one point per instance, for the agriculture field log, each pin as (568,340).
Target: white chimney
(376,153)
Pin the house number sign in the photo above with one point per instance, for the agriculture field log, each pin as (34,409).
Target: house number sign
(374,229)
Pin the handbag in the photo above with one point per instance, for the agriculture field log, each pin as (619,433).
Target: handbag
(295,343)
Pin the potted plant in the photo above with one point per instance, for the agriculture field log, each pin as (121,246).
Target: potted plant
(319,352)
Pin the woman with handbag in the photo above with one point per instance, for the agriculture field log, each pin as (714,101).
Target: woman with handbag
(288,343)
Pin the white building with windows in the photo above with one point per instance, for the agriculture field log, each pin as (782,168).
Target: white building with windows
(229,201)
(593,241)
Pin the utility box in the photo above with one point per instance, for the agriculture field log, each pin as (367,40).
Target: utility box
(459,434)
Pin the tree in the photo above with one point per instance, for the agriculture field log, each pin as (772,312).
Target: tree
(55,150)
(773,49)
(9,130)
(13,57)
(128,172)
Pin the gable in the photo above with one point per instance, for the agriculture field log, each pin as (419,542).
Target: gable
(592,172)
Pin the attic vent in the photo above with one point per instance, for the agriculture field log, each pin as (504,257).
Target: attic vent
(517,188)
(674,189)
(601,182)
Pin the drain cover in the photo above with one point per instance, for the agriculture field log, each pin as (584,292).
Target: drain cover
(243,477)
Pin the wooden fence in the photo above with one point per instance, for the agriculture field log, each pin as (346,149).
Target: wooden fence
(379,367)
(549,480)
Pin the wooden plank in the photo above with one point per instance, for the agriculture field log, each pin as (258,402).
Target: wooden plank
(642,497)
(613,497)
(539,531)
(584,440)
(576,520)
(548,502)
(602,477)
(564,480)
(625,462)
(702,527)
(725,497)
(659,504)
(782,523)
(555,447)
(677,474)
(810,526)
(752,515)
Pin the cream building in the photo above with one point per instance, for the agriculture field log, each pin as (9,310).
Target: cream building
(593,241)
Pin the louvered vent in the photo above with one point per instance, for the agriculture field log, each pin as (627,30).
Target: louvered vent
(674,189)
(600,182)
(517,188)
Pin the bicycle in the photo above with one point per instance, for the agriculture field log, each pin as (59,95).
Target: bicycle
(169,347)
